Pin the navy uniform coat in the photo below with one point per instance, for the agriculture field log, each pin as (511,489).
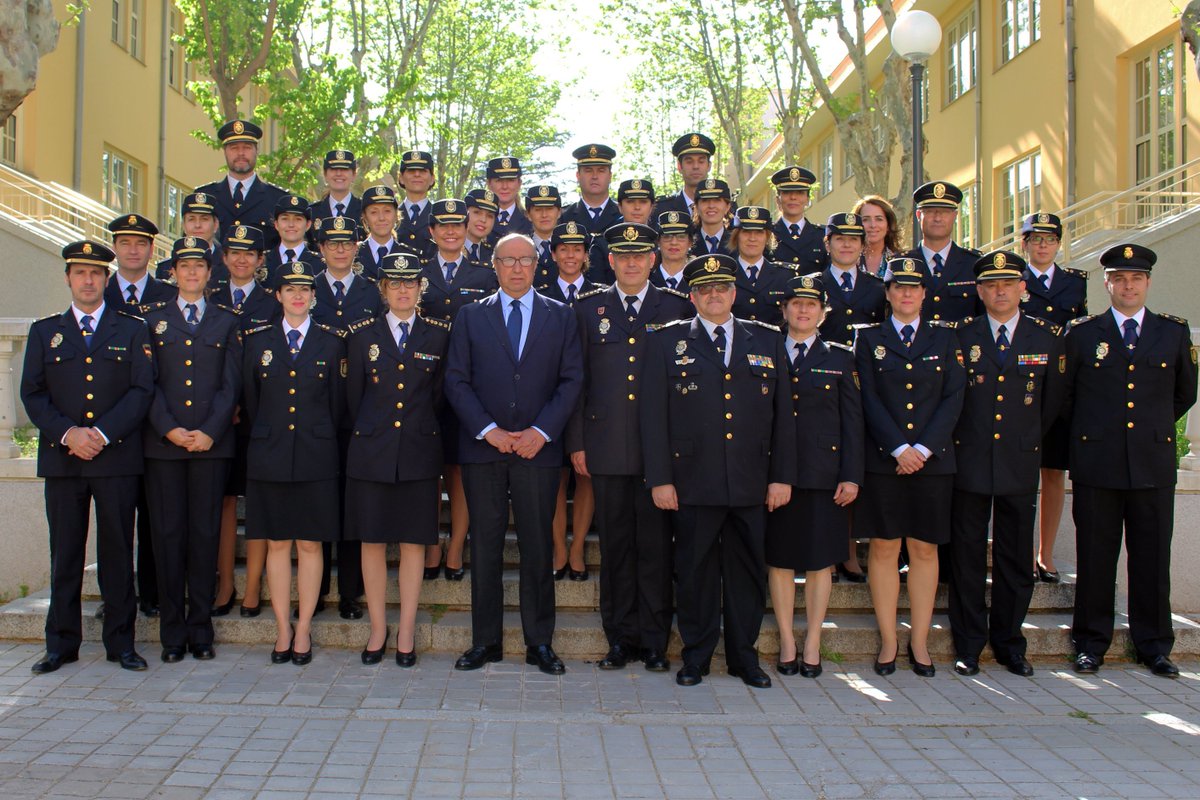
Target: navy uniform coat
(441,301)
(362,301)
(866,304)
(1066,300)
(952,296)
(805,253)
(257,209)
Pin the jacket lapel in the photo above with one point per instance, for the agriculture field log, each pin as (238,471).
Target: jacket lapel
(703,343)
(495,315)
(536,322)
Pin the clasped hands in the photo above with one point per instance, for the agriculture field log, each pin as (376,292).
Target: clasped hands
(527,443)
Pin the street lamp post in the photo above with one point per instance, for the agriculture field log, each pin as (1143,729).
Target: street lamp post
(916,36)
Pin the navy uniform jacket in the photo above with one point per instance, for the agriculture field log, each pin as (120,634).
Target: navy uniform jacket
(394,400)
(368,254)
(1007,408)
(760,300)
(1122,405)
(606,424)
(1066,300)
(805,253)
(517,223)
(866,304)
(259,308)
(220,272)
(109,386)
(199,378)
(911,395)
(156,291)
(578,213)
(293,434)
(274,261)
(672,202)
(257,209)
(415,234)
(552,290)
(700,244)
(951,297)
(658,280)
(362,301)
(471,283)
(485,382)
(719,434)
(599,270)
(829,419)
(323,210)
(484,250)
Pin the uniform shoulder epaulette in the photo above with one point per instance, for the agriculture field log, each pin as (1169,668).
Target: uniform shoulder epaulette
(591,293)
(675,292)
(1081,320)
(48,316)
(868,272)
(259,329)
(762,324)
(1173,318)
(858,326)
(1047,324)
(224,307)
(130,314)
(435,322)
(943,323)
(675,322)
(338,332)
(358,325)
(1079,273)
(146,308)
(840,346)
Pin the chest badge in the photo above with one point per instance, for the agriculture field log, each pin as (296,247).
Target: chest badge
(267,357)
(605,326)
(161,327)
(975,353)
(56,340)
(1101,350)
(373,352)
(880,352)
(680,347)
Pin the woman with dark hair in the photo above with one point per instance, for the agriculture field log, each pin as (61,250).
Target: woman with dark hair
(882,233)
(711,218)
(761,283)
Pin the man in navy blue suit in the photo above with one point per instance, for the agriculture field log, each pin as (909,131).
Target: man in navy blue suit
(513,375)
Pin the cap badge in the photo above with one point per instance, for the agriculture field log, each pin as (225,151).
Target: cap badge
(939,190)
(238,127)
(189,241)
(543,191)
(630,234)
(201,197)
(695,140)
(295,200)
(1128,253)
(87,248)
(380,191)
(297,268)
(673,216)
(999,261)
(752,212)
(848,219)
(132,219)
(451,206)
(592,151)
(908,266)
(340,155)
(240,232)
(1043,218)
(635,184)
(806,282)
(489,195)
(339,223)
(710,184)
(506,163)
(572,228)
(712,265)
(794,174)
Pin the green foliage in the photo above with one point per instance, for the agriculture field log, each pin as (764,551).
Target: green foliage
(27,439)
(1182,443)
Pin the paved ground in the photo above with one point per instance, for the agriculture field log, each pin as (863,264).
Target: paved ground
(238,727)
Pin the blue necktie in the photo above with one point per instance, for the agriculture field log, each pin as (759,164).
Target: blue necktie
(906,334)
(239,297)
(795,229)
(1131,335)
(475,252)
(403,340)
(131,297)
(290,255)
(239,196)
(570,294)
(801,349)
(379,254)
(673,283)
(1044,279)
(937,265)
(339,292)
(293,338)
(340,208)
(192,319)
(514,328)
(713,241)
(85,327)
(847,287)
(502,218)
(545,251)
(1002,343)
(720,342)
(753,274)
(450,267)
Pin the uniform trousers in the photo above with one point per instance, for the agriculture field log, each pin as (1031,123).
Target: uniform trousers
(635,553)
(534,493)
(349,553)
(971,625)
(147,572)
(185,506)
(720,564)
(1146,517)
(68,505)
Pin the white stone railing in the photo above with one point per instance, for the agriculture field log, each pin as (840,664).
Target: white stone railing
(13,333)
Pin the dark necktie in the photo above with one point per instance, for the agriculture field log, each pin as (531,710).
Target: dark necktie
(239,297)
(906,334)
(85,327)
(290,255)
(937,265)
(673,283)
(340,209)
(403,338)
(379,254)
(450,267)
(713,241)
(1002,343)
(795,229)
(514,328)
(475,252)
(131,294)
(192,319)
(1131,334)
(1044,280)
(570,294)
(719,341)
(413,212)
(753,274)
(595,212)
(545,251)
(293,338)
(630,301)
(847,286)
(502,218)
(801,350)
(339,292)
(239,196)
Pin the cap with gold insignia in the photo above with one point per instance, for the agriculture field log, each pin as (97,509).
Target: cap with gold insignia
(752,218)
(938,194)
(503,167)
(297,273)
(543,195)
(809,286)
(713,268)
(845,224)
(243,237)
(133,225)
(631,237)
(675,223)
(635,189)
(379,195)
(400,267)
(1042,222)
(336,229)
(448,212)
(416,159)
(86,251)
(906,272)
(570,233)
(198,203)
(190,247)
(1131,257)
(690,143)
(239,130)
(484,199)
(594,155)
(999,265)
(793,179)
(292,204)
(340,159)
(713,189)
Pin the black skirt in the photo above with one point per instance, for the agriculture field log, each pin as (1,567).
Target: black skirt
(1056,444)
(811,532)
(306,510)
(235,484)
(913,506)
(387,513)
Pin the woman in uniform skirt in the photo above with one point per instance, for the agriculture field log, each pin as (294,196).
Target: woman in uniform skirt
(811,533)
(912,391)
(394,391)
(294,394)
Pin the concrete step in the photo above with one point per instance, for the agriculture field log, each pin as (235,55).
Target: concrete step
(578,634)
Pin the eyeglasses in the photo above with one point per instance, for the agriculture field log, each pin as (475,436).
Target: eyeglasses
(1043,240)
(341,245)
(511,261)
(713,288)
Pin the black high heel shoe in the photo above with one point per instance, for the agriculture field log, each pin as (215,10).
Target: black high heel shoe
(924,670)
(432,572)
(885,668)
(370,657)
(455,573)
(559,574)
(853,577)
(298,658)
(224,609)
(283,656)
(408,659)
(1047,575)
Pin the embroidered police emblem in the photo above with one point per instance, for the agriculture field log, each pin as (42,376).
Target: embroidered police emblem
(572,228)
(752,212)
(133,219)
(806,282)
(673,216)
(297,268)
(636,184)
(1043,218)
(161,327)
(999,261)
(87,248)
(339,223)
(266,358)
(543,191)
(711,265)
(56,340)
(939,190)
(592,151)
(1128,252)
(373,352)
(451,206)
(794,174)
(240,232)
(238,127)
(630,234)
(695,140)
(506,163)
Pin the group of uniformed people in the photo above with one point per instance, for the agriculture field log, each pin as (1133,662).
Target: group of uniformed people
(738,398)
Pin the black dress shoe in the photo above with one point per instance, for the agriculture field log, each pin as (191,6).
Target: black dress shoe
(1046,575)
(432,572)
(616,658)
(203,652)
(1087,664)
(578,574)
(788,667)
(1160,665)
(885,668)
(224,608)
(52,661)
(370,657)
(129,660)
(406,660)
(559,574)
(251,611)
(810,670)
(924,670)
(753,677)
(655,660)
(301,659)
(283,656)
(350,609)
(479,655)
(853,577)
(149,610)
(172,655)
(454,574)
(690,675)
(545,659)
(1019,665)
(967,666)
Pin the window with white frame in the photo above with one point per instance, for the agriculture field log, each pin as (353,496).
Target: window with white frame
(1020,185)
(964,223)
(172,210)
(1020,26)
(960,56)
(8,141)
(825,167)
(121,182)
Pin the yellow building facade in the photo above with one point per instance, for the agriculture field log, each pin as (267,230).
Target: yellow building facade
(1001,122)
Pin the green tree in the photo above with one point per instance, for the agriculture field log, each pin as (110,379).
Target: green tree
(28,31)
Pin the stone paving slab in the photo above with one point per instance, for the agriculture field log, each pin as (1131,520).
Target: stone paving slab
(239,727)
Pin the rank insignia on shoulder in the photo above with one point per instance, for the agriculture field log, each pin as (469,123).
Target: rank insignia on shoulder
(437,323)
(259,329)
(1174,318)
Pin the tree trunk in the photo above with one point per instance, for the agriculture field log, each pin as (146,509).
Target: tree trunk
(1189,24)
(28,31)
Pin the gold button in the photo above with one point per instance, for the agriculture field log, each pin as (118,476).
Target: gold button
(908,386)
(87,360)
(936,299)
(399,405)
(91,396)
(683,374)
(629,377)
(291,391)
(632,359)
(292,374)
(291,409)
(632,340)
(1129,386)
(396,424)
(399,385)
(937,316)
(999,417)
(795,379)
(1128,424)
(908,366)
(1131,367)
(1129,404)
(795,397)
(1164,364)
(995,436)
(87,377)
(188,382)
(338,312)
(834,448)
(728,415)
(187,363)
(728,397)
(401,368)
(1049,308)
(187,402)
(188,342)
(751,301)
(1000,378)
(999,398)
(729,436)
(90,415)
(631,397)
(909,406)
(849,327)
(909,426)
(728,377)
(1083,438)
(291,427)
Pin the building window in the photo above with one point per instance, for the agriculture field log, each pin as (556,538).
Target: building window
(847,166)
(172,211)
(964,223)
(135,28)
(960,57)
(8,141)
(925,97)
(1020,26)
(118,22)
(825,164)
(1020,191)
(121,182)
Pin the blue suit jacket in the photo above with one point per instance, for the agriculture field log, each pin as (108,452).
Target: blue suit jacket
(486,383)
